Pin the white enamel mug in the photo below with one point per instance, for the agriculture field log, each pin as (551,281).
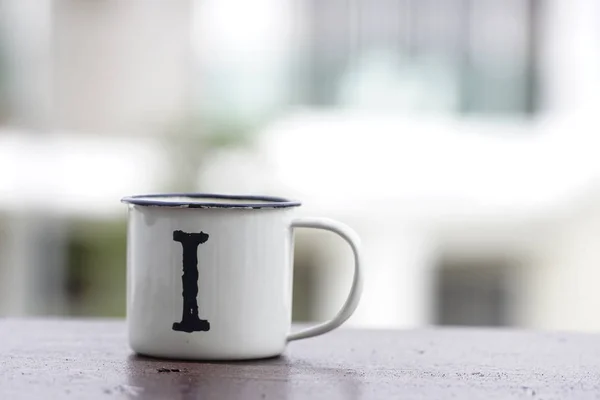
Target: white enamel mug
(209,277)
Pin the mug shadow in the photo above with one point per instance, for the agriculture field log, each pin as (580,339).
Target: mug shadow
(268,360)
(157,378)
(273,378)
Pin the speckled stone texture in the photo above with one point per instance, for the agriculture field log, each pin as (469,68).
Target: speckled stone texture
(89,359)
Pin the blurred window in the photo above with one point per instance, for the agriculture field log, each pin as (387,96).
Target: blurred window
(460,56)
(473,294)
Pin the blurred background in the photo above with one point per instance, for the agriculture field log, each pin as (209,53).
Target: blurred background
(458,137)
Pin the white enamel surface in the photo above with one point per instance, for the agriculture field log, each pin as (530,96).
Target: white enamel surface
(244,282)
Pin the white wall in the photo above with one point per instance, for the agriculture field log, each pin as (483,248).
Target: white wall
(563,286)
(120,66)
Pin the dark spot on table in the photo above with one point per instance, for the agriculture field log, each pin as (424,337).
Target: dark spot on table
(162,370)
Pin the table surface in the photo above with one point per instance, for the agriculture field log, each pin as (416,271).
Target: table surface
(89,359)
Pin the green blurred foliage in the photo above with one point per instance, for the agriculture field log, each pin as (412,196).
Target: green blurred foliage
(97,268)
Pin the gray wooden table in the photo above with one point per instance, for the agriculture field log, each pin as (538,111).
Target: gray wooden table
(89,359)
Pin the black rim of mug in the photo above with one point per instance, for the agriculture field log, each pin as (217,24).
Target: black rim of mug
(203,200)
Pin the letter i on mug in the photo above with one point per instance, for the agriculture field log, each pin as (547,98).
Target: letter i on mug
(209,276)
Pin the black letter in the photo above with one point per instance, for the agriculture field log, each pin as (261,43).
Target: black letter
(189,320)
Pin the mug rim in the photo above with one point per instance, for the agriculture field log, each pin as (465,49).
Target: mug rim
(202,200)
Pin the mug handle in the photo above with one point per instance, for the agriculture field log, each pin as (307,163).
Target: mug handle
(357,282)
